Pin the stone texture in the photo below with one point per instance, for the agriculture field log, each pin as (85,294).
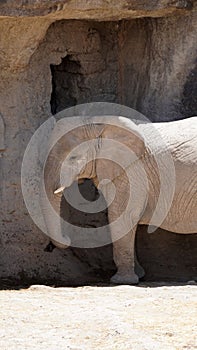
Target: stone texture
(2,134)
(129,62)
(95,9)
(48,63)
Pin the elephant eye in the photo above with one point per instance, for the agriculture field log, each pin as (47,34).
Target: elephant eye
(73,158)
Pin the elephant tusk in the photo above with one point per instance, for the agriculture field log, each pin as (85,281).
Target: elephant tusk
(81,181)
(60,189)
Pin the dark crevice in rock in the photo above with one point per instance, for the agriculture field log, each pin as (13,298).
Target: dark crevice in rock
(189,97)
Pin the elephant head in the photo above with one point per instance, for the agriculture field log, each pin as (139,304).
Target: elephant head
(97,148)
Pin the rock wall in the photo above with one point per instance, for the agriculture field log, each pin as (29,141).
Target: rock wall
(148,64)
(51,57)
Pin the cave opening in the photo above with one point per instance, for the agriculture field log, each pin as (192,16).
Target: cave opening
(66,82)
(90,70)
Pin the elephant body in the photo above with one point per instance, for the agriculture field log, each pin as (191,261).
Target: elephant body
(153,168)
(181,140)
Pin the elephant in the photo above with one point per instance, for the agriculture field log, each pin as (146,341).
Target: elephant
(152,166)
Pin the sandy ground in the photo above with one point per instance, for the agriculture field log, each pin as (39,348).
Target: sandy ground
(99,317)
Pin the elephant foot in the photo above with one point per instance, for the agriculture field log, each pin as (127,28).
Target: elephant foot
(139,270)
(118,278)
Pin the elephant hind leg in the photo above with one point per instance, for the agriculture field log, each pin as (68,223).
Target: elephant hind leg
(138,268)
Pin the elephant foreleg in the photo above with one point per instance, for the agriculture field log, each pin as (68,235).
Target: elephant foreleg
(124,258)
(123,215)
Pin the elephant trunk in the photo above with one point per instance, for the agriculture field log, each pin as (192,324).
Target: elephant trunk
(51,203)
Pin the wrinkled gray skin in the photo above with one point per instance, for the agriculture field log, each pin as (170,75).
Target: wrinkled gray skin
(146,142)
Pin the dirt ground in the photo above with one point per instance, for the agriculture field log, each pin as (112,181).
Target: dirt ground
(145,317)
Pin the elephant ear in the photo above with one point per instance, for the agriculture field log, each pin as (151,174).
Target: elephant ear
(121,145)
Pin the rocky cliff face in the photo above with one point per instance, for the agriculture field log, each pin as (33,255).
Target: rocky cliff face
(54,54)
(96,9)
